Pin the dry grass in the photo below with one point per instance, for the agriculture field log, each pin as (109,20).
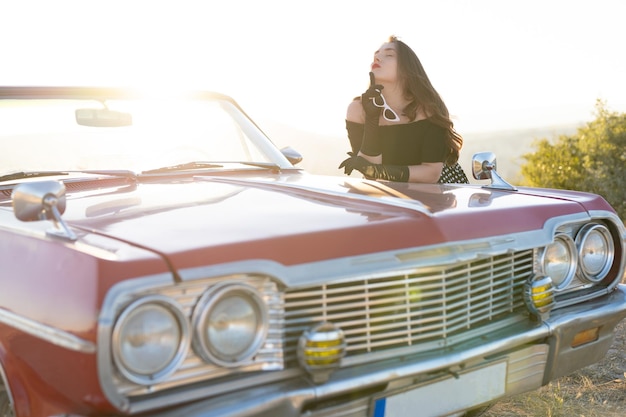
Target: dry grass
(598,390)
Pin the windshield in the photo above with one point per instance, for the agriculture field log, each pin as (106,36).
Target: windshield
(137,135)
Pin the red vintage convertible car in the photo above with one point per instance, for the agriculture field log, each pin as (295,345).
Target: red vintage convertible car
(160,256)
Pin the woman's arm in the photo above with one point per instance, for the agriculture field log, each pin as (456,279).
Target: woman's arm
(364,132)
(426,172)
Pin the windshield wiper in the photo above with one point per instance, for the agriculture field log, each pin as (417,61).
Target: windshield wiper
(183,167)
(30,174)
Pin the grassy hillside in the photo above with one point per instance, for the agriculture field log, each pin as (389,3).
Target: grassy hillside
(322,153)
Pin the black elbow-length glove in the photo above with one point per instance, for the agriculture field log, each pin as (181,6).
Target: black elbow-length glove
(398,173)
(371,144)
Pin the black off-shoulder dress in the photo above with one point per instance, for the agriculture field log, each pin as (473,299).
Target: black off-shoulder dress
(412,143)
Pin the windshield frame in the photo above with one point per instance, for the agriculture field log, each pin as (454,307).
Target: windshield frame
(250,130)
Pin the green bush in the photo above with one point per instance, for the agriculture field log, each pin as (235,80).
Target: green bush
(593,159)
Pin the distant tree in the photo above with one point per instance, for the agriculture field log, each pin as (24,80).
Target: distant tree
(593,159)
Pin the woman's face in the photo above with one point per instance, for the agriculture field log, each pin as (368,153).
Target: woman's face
(385,64)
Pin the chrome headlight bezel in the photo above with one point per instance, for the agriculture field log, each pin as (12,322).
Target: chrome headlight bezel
(178,351)
(210,303)
(562,242)
(583,241)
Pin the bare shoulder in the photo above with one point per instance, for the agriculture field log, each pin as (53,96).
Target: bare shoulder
(355,112)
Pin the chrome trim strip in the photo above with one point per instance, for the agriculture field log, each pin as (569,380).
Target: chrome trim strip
(50,334)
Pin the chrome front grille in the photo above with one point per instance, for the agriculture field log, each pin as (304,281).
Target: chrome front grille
(422,307)
(380,314)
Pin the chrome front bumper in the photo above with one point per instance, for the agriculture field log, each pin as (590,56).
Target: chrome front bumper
(533,356)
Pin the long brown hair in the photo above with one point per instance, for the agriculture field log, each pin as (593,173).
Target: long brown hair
(421,94)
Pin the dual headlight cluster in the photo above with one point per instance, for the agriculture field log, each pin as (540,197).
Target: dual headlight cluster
(576,259)
(588,256)
(152,336)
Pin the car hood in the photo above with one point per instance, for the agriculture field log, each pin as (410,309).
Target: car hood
(303,218)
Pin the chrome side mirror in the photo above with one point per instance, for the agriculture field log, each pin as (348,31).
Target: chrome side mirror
(484,168)
(292,155)
(42,200)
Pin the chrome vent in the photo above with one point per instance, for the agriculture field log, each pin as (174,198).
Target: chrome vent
(422,307)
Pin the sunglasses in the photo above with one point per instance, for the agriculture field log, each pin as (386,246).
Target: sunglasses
(388,113)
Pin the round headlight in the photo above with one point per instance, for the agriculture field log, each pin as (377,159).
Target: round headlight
(559,261)
(231,322)
(150,339)
(595,251)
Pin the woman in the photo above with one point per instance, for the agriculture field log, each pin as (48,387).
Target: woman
(400,129)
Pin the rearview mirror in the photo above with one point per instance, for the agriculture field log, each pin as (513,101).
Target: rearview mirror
(103,118)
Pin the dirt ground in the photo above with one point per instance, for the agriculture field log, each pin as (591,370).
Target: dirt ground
(598,390)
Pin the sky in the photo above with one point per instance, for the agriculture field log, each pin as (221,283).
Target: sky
(497,64)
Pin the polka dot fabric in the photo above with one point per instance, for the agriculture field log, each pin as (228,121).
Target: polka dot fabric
(453,175)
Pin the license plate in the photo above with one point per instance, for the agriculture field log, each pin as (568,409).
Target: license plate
(445,396)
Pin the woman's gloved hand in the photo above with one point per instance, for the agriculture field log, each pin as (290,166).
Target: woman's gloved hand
(398,173)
